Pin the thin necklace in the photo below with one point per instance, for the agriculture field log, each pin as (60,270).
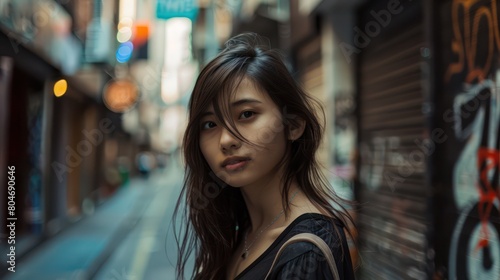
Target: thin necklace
(245,248)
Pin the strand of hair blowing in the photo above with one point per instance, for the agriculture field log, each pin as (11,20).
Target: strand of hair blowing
(209,209)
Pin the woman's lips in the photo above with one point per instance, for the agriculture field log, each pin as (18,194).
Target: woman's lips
(236,165)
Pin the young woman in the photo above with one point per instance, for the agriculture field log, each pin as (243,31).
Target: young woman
(252,180)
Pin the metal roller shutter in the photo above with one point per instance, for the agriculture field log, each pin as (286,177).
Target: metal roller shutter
(392,190)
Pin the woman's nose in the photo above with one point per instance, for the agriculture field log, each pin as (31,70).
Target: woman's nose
(228,141)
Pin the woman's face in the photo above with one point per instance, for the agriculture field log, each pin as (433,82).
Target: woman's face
(259,121)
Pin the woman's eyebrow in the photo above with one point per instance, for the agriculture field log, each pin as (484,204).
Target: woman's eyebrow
(207,113)
(234,104)
(245,101)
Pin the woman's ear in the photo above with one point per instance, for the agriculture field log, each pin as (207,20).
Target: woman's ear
(297,129)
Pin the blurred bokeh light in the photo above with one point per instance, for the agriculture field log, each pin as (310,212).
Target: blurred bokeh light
(60,87)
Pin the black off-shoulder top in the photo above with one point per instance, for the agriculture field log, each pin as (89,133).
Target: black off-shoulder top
(303,260)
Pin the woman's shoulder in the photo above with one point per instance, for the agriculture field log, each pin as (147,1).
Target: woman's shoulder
(303,256)
(315,222)
(330,229)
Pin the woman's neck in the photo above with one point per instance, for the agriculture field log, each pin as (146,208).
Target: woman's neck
(264,202)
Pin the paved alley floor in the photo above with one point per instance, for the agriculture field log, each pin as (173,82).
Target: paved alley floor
(129,237)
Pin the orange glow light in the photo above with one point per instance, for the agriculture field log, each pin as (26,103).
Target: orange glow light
(60,88)
(120,95)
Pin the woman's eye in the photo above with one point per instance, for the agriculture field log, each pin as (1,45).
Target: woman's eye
(246,114)
(208,125)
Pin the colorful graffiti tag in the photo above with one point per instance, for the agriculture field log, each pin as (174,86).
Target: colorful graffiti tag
(475,246)
(475,30)
(474,251)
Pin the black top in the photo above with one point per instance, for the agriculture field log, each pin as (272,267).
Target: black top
(303,260)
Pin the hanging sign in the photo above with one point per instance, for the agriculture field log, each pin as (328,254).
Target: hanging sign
(166,9)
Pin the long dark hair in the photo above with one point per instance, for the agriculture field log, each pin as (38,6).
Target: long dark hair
(211,209)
